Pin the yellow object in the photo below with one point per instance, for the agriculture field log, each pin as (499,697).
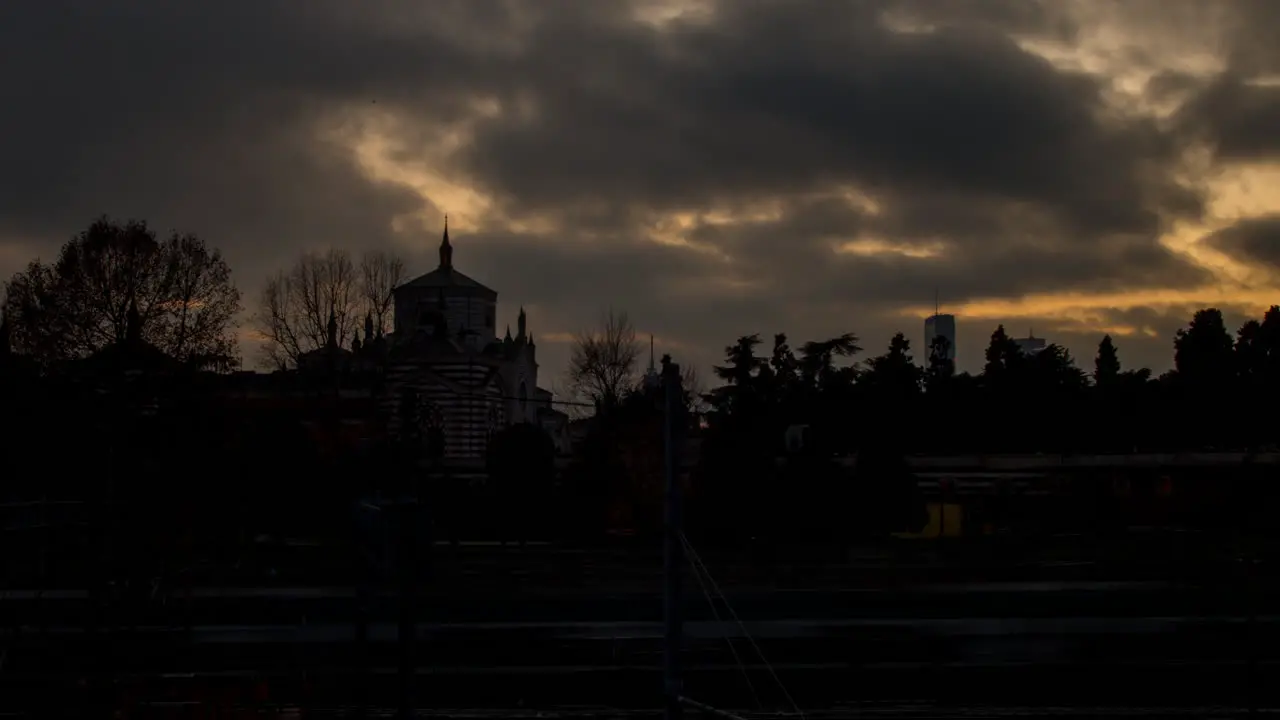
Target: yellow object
(945,519)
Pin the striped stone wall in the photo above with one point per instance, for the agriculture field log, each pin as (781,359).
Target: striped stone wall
(464,398)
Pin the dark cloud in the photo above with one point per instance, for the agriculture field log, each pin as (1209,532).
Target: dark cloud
(1237,118)
(784,97)
(230,118)
(1255,240)
(1251,47)
(1023,17)
(1172,85)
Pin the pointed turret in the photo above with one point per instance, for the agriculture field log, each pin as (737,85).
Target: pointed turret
(446,250)
(521,325)
(355,341)
(507,339)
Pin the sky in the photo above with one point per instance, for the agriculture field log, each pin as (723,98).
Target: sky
(714,169)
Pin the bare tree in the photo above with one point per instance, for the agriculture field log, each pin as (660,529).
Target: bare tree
(295,305)
(602,363)
(181,289)
(380,273)
(691,384)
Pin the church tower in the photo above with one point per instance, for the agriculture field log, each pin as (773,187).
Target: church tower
(446,250)
(445,348)
(469,307)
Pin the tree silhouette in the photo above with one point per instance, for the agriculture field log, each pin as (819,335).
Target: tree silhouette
(783,366)
(894,376)
(737,398)
(1002,356)
(892,384)
(817,359)
(1106,366)
(296,304)
(744,436)
(1203,351)
(182,290)
(603,361)
(742,363)
(751,482)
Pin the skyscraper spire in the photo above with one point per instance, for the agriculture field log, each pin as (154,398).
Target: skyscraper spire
(651,378)
(446,250)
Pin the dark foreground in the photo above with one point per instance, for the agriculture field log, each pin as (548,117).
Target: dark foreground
(1053,638)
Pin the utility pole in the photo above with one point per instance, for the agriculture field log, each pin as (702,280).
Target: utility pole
(674,545)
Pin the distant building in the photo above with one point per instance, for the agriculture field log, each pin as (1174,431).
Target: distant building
(445,357)
(940,325)
(470,382)
(1030,345)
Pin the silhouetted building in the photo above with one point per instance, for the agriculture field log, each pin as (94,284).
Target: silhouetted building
(444,351)
(1030,345)
(469,308)
(940,325)
(444,354)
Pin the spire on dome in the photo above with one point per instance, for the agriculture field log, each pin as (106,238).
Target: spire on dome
(446,250)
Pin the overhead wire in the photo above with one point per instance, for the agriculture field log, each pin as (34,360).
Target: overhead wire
(700,566)
(706,592)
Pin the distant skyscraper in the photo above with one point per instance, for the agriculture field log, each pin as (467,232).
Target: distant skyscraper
(1030,345)
(940,325)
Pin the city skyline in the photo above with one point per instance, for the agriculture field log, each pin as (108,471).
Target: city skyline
(1077,167)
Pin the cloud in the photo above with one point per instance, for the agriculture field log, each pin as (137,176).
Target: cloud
(779,98)
(716,168)
(1237,118)
(1255,240)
